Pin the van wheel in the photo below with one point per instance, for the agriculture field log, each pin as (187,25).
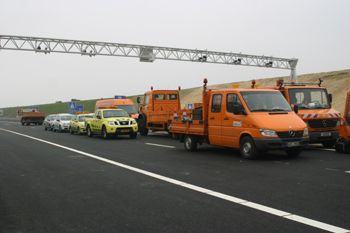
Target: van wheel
(79,132)
(133,135)
(89,133)
(70,130)
(105,135)
(142,127)
(45,127)
(248,149)
(190,142)
(60,129)
(294,152)
(53,129)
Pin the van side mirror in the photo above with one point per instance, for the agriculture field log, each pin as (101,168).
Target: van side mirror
(296,109)
(330,97)
(138,99)
(98,117)
(238,111)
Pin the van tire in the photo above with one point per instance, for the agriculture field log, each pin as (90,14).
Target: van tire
(70,130)
(248,149)
(190,142)
(88,132)
(105,135)
(294,152)
(78,131)
(142,127)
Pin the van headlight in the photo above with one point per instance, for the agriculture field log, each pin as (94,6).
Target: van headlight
(306,132)
(133,122)
(268,133)
(111,122)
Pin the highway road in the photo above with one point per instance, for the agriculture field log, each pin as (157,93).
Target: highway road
(58,182)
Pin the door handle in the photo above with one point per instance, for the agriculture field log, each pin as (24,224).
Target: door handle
(212,118)
(226,118)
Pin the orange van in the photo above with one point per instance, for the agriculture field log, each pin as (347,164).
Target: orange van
(253,120)
(126,104)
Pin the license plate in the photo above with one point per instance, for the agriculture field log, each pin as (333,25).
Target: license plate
(125,130)
(326,134)
(292,144)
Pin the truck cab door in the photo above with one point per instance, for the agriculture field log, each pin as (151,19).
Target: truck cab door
(233,124)
(215,120)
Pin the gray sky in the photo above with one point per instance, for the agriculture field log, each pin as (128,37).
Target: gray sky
(317,32)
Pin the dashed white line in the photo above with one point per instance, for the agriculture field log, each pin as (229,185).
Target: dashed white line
(152,144)
(266,209)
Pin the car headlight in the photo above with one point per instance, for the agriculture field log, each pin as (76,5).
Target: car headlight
(133,122)
(268,133)
(111,122)
(82,126)
(65,124)
(306,132)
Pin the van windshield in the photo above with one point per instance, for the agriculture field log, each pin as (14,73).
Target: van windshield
(309,98)
(66,118)
(264,101)
(130,109)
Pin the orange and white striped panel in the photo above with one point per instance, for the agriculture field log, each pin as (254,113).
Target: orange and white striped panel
(334,115)
(308,116)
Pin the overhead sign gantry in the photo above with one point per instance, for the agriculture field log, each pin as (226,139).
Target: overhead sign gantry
(144,52)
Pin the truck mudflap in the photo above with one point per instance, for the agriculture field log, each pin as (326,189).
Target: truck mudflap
(266,144)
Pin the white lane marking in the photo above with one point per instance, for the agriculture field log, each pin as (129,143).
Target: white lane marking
(266,209)
(347,171)
(152,144)
(331,169)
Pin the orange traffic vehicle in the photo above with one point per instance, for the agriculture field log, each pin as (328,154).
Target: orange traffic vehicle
(253,120)
(157,108)
(123,103)
(30,115)
(343,143)
(314,107)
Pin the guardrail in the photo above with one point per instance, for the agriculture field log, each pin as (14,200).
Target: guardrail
(9,119)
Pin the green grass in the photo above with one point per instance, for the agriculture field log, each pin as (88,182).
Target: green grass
(55,108)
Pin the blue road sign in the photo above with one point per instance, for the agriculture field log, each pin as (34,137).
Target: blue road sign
(189,106)
(71,105)
(79,108)
(37,108)
(119,97)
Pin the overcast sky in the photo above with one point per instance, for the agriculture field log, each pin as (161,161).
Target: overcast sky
(317,32)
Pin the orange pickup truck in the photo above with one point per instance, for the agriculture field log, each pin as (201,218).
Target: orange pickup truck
(343,143)
(253,120)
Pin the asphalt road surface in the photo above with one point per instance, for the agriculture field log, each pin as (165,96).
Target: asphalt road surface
(58,182)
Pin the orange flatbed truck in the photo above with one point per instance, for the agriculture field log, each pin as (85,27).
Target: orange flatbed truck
(314,107)
(30,115)
(343,143)
(252,120)
(157,108)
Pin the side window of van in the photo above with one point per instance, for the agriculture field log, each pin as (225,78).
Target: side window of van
(216,104)
(146,99)
(159,97)
(232,100)
(171,96)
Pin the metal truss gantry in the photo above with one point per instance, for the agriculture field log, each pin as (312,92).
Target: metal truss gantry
(144,52)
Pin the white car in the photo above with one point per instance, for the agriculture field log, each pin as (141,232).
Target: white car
(61,123)
(48,123)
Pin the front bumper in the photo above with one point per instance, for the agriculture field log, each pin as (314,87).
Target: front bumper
(322,136)
(118,130)
(266,144)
